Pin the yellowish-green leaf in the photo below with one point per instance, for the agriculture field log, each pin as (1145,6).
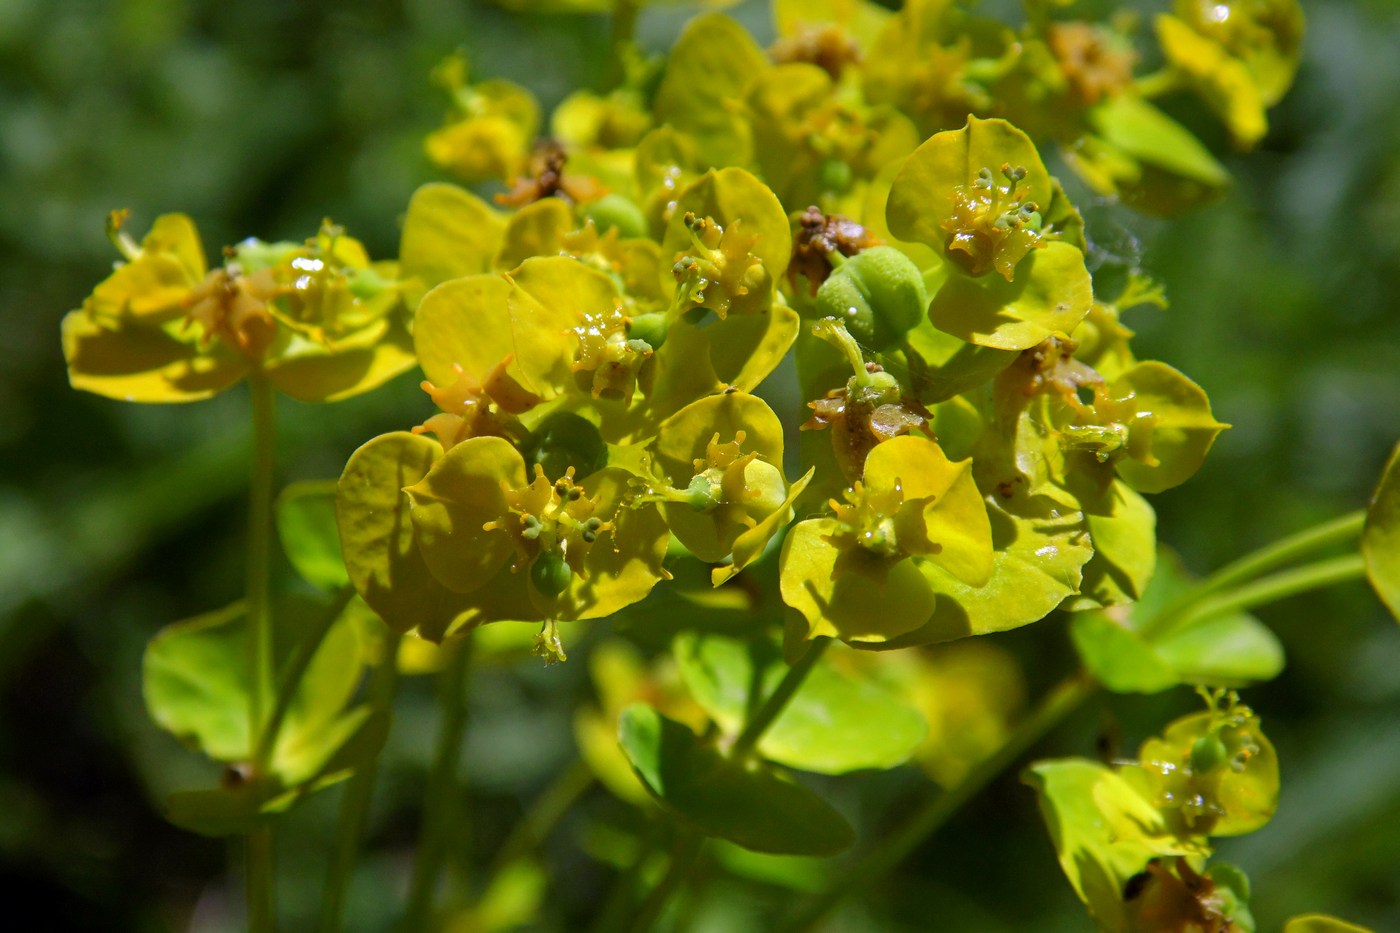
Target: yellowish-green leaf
(1169,421)
(535,230)
(921,196)
(1222,80)
(701,92)
(1125,552)
(447,233)
(462,492)
(1104,832)
(1050,295)
(145,364)
(376,533)
(1380,542)
(832,725)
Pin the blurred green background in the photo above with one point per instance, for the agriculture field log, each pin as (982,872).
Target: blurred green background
(259,118)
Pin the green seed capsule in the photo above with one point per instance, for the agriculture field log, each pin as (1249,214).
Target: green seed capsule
(1207,754)
(550,574)
(615,211)
(878,294)
(565,440)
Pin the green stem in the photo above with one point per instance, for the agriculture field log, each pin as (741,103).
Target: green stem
(440,810)
(624,29)
(260,557)
(1252,565)
(775,703)
(1157,83)
(1273,588)
(618,905)
(1287,549)
(260,870)
(354,806)
(296,669)
(683,855)
(1058,704)
(262,909)
(544,814)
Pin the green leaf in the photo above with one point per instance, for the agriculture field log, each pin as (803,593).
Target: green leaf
(833,724)
(1050,294)
(1145,133)
(1118,657)
(376,534)
(1224,650)
(1227,792)
(1380,542)
(1104,831)
(306,525)
(311,371)
(792,872)
(535,230)
(746,803)
(195,683)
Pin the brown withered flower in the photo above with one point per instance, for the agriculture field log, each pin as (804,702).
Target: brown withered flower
(819,235)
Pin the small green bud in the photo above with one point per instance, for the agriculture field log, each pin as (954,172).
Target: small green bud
(1226,875)
(650,328)
(1208,753)
(615,211)
(550,574)
(836,176)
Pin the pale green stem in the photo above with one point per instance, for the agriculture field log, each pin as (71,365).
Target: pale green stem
(296,669)
(260,871)
(260,881)
(354,806)
(624,29)
(1273,588)
(440,809)
(1158,83)
(544,814)
(933,813)
(1266,558)
(260,665)
(777,701)
(683,855)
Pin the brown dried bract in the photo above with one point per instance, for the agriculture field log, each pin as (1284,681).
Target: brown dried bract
(1095,66)
(818,235)
(547,180)
(858,423)
(1050,366)
(827,47)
